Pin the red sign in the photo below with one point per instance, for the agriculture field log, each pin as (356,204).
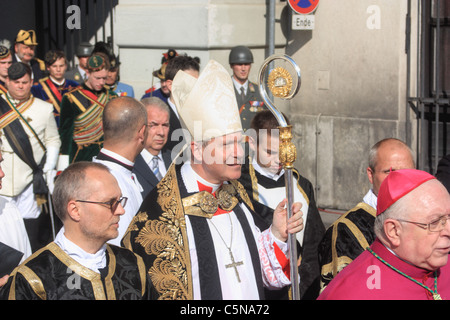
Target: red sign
(303,6)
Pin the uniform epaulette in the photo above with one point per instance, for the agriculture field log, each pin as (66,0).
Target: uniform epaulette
(41,64)
(43,79)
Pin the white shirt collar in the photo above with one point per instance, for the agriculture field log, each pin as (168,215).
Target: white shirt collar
(148,156)
(117,157)
(371,199)
(95,261)
(266,173)
(56,82)
(190,178)
(238,85)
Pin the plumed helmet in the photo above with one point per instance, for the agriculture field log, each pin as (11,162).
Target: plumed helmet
(240,54)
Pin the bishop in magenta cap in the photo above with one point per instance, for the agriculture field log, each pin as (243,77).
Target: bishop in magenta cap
(409,258)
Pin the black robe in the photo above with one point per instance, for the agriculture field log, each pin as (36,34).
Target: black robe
(50,274)
(309,270)
(345,240)
(158,234)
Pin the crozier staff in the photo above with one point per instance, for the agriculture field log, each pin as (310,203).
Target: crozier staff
(196,229)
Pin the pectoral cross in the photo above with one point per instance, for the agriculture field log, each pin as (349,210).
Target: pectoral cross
(234,265)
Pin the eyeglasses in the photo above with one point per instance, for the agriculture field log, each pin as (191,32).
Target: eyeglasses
(112,204)
(434,226)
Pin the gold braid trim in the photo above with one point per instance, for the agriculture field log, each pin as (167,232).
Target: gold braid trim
(166,238)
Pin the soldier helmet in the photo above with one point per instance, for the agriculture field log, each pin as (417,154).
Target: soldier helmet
(84,49)
(240,54)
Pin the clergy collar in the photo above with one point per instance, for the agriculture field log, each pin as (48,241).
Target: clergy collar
(109,155)
(95,261)
(389,256)
(191,179)
(266,173)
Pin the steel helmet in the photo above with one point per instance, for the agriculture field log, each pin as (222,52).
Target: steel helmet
(240,54)
(84,49)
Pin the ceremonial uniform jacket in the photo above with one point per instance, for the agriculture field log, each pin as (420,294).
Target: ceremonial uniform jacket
(345,240)
(265,193)
(155,93)
(51,274)
(53,93)
(74,74)
(81,128)
(3,89)
(250,104)
(39,115)
(173,235)
(122,89)
(370,278)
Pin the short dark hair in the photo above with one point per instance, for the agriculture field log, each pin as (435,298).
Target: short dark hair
(180,63)
(18,69)
(52,55)
(265,120)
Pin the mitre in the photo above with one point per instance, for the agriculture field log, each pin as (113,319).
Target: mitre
(207,105)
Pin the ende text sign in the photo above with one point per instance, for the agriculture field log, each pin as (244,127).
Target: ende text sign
(302,22)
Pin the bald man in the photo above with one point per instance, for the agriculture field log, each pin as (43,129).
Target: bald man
(125,131)
(353,232)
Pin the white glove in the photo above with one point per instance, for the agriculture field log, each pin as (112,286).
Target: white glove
(52,158)
(63,162)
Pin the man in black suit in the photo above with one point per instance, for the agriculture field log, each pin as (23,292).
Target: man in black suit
(176,139)
(152,163)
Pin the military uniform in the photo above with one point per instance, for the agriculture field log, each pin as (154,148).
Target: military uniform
(81,128)
(37,65)
(4,53)
(30,149)
(77,74)
(53,93)
(249,104)
(247,95)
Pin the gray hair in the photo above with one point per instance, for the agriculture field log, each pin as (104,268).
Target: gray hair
(156,102)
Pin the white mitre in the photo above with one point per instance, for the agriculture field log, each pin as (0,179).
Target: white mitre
(207,106)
